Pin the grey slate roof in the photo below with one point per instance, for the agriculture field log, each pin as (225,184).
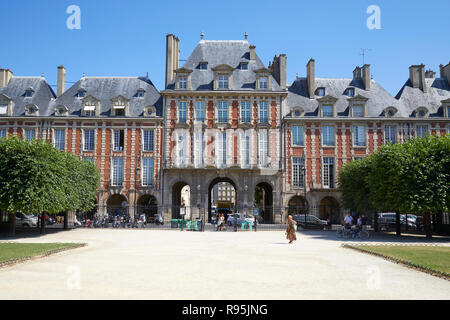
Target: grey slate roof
(16,87)
(379,98)
(217,52)
(438,89)
(107,88)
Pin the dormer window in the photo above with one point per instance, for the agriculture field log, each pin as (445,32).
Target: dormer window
(389,112)
(358,111)
(327,111)
(61,111)
(203,66)
(297,111)
(140,93)
(119,111)
(182,83)
(89,111)
(222,82)
(81,93)
(263,83)
(3,110)
(29,93)
(320,92)
(243,66)
(31,110)
(421,112)
(351,92)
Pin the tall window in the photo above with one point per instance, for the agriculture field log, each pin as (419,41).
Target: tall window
(89,139)
(181,152)
(327,111)
(297,173)
(222,148)
(199,147)
(222,111)
(245,111)
(182,83)
(60,139)
(359,136)
(297,135)
(117,172)
(328,136)
(223,82)
(147,171)
(390,134)
(119,140)
(263,149)
(149,140)
(182,111)
(328,172)
(2,133)
(200,111)
(246,150)
(30,134)
(358,111)
(264,111)
(422,131)
(263,83)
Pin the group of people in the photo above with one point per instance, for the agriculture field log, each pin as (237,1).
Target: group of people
(220,218)
(348,221)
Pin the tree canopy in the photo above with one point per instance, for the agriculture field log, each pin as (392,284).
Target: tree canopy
(35,177)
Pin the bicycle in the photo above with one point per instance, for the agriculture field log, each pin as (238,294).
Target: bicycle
(360,233)
(343,232)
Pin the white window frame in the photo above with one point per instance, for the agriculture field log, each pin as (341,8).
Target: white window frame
(324,144)
(3,133)
(117,173)
(116,144)
(390,133)
(359,135)
(182,111)
(182,83)
(329,172)
(86,143)
(263,83)
(223,82)
(246,114)
(200,111)
(427,132)
(148,167)
(27,132)
(297,135)
(355,115)
(58,144)
(326,114)
(149,140)
(298,179)
(264,112)
(222,115)
(263,148)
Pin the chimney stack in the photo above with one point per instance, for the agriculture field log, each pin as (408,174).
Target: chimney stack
(172,57)
(278,67)
(366,76)
(311,78)
(357,73)
(417,77)
(61,80)
(5,76)
(430,74)
(445,72)
(252,52)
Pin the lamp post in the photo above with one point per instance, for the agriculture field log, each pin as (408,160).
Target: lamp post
(303,170)
(136,184)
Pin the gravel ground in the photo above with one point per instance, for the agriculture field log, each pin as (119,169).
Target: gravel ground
(148,264)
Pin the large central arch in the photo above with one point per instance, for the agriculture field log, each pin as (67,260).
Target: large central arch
(329,207)
(212,184)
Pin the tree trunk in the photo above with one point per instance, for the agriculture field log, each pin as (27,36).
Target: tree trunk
(66,220)
(428,231)
(397,224)
(375,221)
(12,224)
(42,223)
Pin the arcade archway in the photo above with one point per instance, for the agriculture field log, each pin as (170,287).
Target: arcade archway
(329,206)
(222,194)
(117,204)
(147,204)
(181,194)
(264,202)
(297,205)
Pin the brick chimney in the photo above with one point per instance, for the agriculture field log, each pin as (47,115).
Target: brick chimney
(417,77)
(311,77)
(5,76)
(366,76)
(252,52)
(278,67)
(172,57)
(61,80)
(357,73)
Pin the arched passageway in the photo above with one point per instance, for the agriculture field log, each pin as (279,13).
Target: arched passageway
(147,204)
(264,202)
(329,206)
(181,194)
(117,204)
(297,205)
(222,195)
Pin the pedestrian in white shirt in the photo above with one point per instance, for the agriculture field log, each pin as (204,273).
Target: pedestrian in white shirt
(348,220)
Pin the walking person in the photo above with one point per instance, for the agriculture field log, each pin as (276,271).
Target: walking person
(291,229)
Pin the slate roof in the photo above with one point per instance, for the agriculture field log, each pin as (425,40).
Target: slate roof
(107,88)
(217,52)
(16,87)
(378,98)
(438,89)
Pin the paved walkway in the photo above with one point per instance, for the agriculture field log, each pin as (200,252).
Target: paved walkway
(147,264)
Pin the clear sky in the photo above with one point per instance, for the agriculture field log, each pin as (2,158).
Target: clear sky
(127,38)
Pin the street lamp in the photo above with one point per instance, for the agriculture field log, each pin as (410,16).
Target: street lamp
(138,170)
(303,170)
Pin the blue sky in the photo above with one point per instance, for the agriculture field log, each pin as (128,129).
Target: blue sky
(127,38)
